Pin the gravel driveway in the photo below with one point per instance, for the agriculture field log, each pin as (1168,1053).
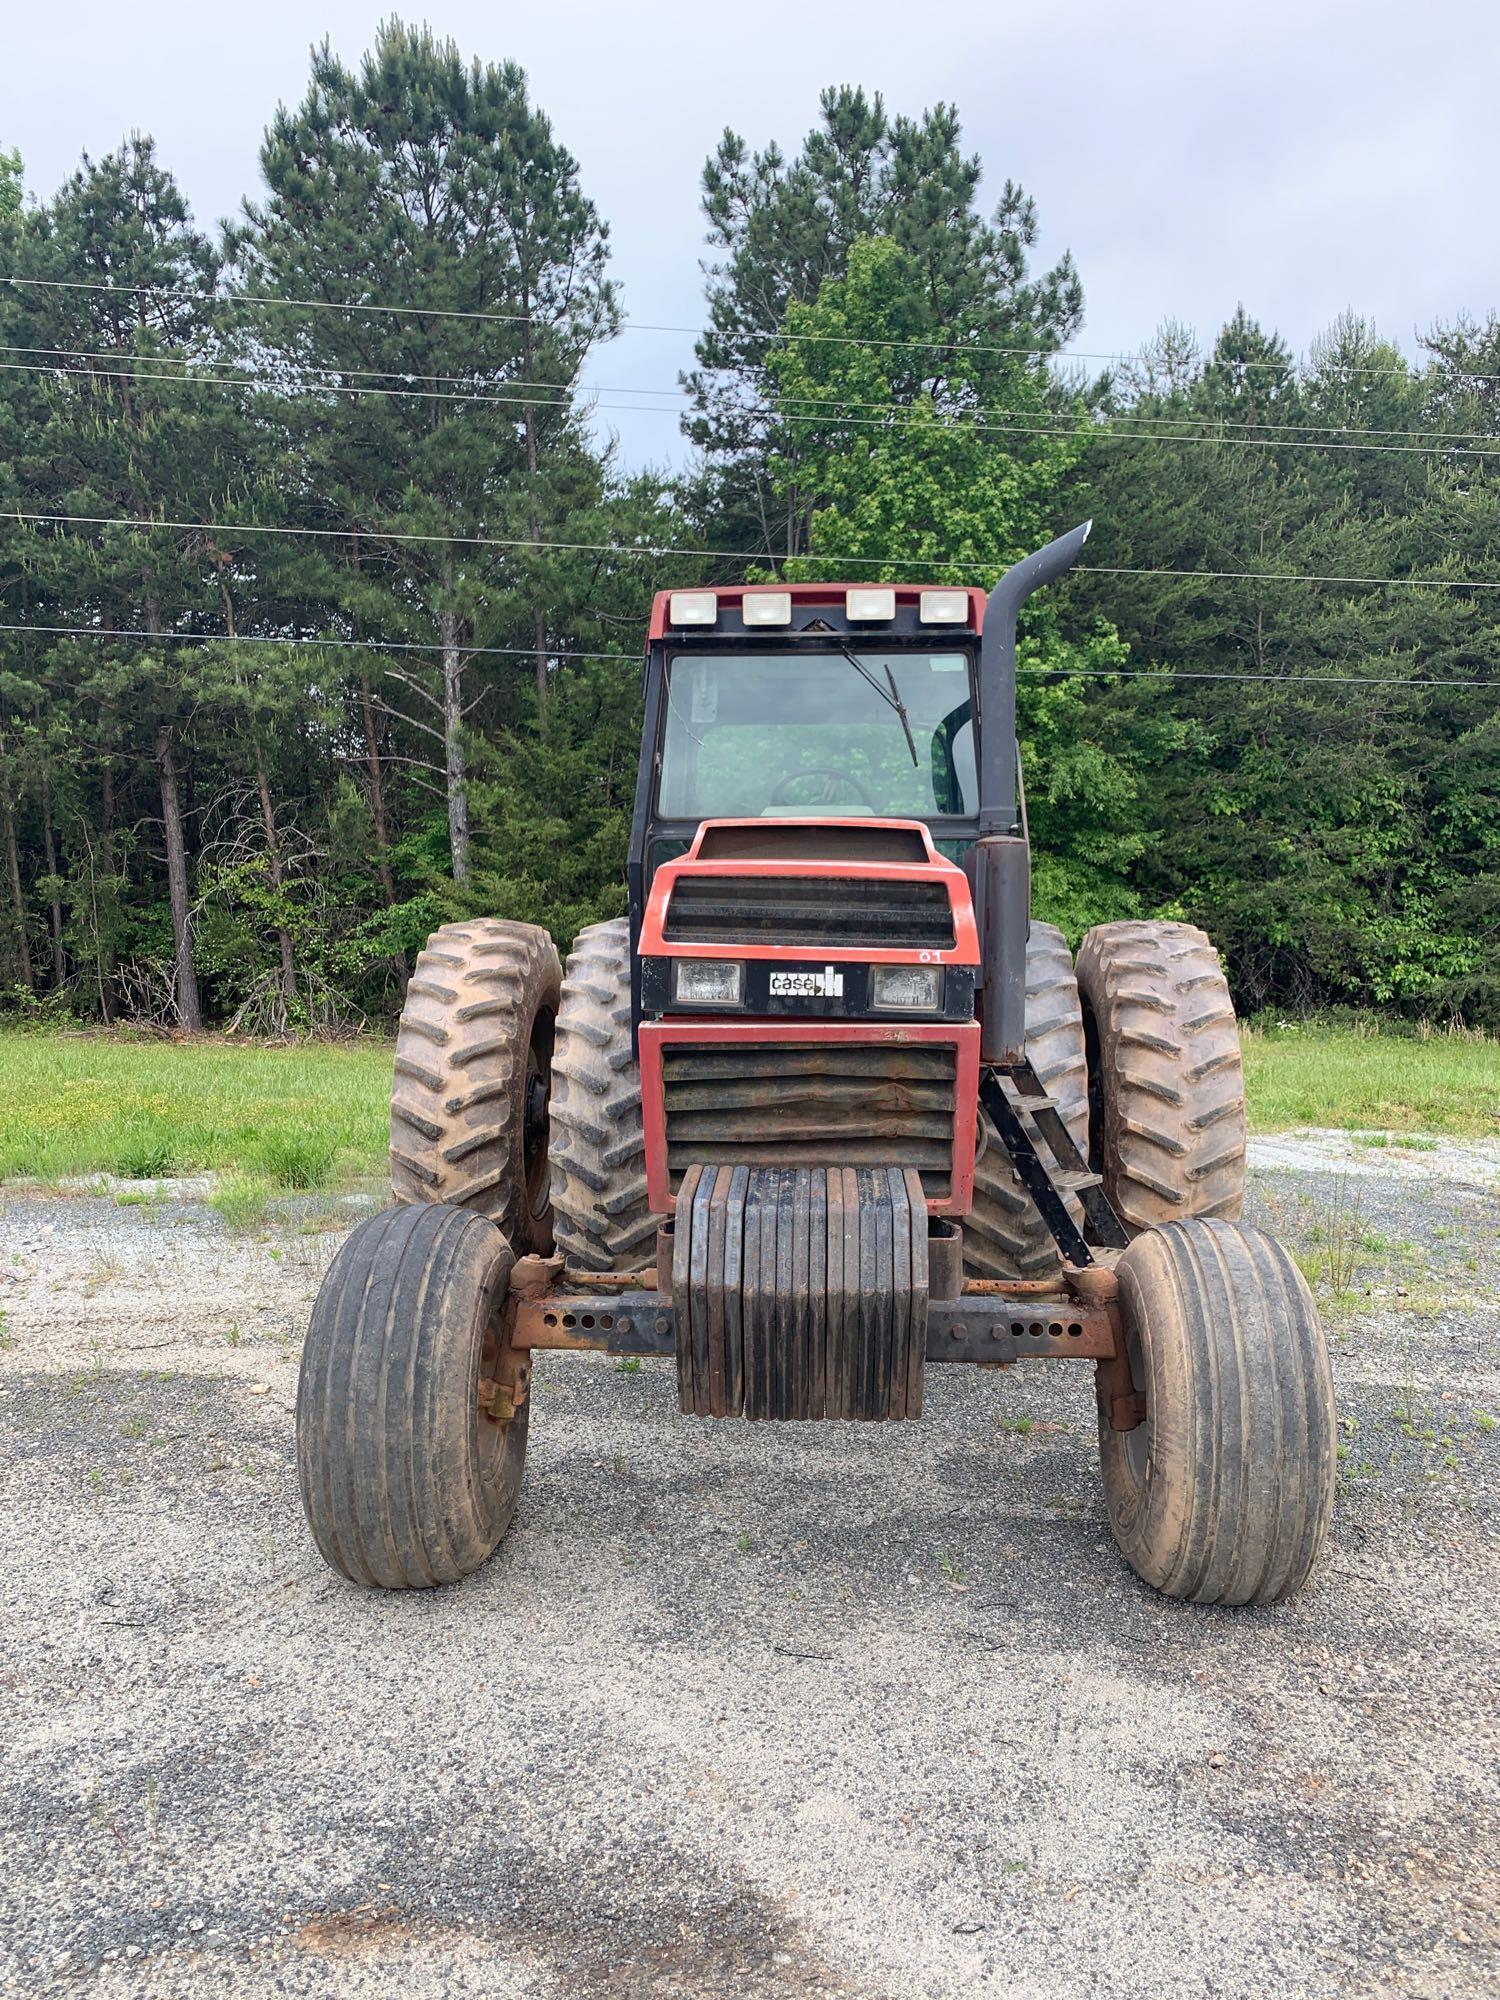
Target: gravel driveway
(736,1710)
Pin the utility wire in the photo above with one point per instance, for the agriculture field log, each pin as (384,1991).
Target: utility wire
(896,419)
(229,529)
(125,364)
(646,326)
(634,659)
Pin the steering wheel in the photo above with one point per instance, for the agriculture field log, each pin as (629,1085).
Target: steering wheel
(831,782)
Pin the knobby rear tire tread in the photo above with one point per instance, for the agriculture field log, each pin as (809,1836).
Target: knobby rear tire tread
(477,992)
(602,1219)
(1171,1141)
(1004,1234)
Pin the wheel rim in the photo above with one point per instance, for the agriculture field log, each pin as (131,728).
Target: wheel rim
(535,1119)
(491,1432)
(1096,1087)
(1135,1445)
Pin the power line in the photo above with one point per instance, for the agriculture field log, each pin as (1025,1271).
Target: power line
(121,363)
(647,326)
(561,395)
(633,659)
(280,639)
(894,420)
(229,529)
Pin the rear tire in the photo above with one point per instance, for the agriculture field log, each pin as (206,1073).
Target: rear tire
(1168,1124)
(1223,1493)
(601,1215)
(473,1074)
(1004,1234)
(406,1481)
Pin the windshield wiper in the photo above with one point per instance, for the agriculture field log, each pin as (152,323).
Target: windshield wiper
(893,698)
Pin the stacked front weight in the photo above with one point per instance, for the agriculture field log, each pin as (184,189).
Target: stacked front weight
(800,1292)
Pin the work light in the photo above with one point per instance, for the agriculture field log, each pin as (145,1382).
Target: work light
(909,987)
(871,604)
(693,607)
(767,607)
(708,982)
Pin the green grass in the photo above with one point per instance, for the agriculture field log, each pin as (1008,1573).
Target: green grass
(303,1116)
(314,1115)
(1372,1080)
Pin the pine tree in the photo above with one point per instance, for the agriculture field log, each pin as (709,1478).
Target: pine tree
(434,194)
(782,227)
(111,441)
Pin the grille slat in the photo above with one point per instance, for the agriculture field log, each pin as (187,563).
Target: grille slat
(686,1064)
(931,1158)
(850,1097)
(821,912)
(837,1104)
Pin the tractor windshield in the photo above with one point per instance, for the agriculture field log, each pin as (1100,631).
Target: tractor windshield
(780,733)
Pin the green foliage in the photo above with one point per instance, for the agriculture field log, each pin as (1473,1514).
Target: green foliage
(784,228)
(274,831)
(1365,1075)
(242,1200)
(1340,841)
(95,1103)
(146,1151)
(885,406)
(295,1159)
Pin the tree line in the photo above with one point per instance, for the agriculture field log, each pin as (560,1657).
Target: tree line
(323,598)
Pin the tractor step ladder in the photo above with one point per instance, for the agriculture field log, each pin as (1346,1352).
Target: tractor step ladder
(1007,1095)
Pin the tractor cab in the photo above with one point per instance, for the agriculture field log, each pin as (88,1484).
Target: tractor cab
(808,702)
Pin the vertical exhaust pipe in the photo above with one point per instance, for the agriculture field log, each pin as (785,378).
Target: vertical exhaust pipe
(1002,859)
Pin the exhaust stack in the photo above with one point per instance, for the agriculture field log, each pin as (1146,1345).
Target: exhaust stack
(1002,857)
(997,674)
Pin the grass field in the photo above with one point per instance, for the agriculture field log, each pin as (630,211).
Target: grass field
(306,1116)
(314,1115)
(1362,1079)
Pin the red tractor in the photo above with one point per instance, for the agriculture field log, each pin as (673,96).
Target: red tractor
(826,1109)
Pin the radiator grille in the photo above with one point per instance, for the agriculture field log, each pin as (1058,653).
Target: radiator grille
(841,1104)
(822,911)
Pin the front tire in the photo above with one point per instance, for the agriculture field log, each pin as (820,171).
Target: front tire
(1223,1493)
(407,1479)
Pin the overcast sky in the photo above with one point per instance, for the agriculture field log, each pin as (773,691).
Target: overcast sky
(1302,158)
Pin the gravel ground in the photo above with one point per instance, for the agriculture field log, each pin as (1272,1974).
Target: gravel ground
(762,1712)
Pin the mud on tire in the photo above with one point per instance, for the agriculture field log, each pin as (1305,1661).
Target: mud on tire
(473,1057)
(1168,1114)
(1223,1494)
(1004,1235)
(601,1217)
(406,1481)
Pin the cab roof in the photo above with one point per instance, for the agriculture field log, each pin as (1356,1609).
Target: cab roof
(830,599)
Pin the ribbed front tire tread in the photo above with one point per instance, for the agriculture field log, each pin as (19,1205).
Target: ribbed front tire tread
(397,1490)
(1241,1434)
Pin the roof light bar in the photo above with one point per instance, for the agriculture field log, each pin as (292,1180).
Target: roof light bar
(767,607)
(870,604)
(693,607)
(944,607)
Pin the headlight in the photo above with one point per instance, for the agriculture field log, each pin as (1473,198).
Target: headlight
(708,982)
(910,987)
